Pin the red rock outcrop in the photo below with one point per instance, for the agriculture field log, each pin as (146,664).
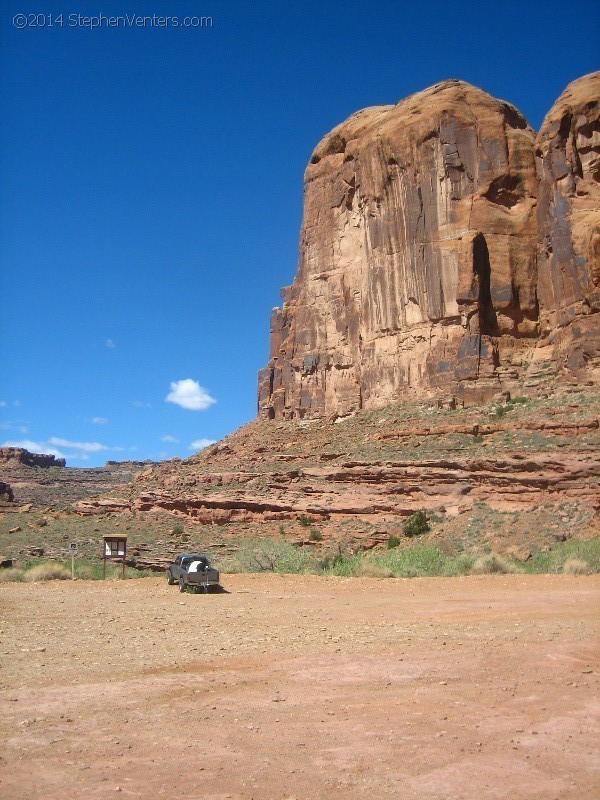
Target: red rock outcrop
(418,266)
(568,165)
(22,456)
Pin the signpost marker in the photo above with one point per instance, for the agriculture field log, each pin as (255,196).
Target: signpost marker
(73,552)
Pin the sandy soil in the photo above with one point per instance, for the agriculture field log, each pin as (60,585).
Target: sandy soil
(302,687)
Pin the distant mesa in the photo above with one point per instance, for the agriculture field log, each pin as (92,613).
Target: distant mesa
(27,477)
(22,456)
(445,248)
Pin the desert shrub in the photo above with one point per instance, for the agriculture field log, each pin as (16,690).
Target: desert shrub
(11,575)
(271,555)
(304,521)
(490,564)
(178,529)
(50,571)
(371,569)
(340,564)
(414,562)
(553,560)
(519,400)
(88,570)
(392,542)
(576,566)
(458,565)
(315,535)
(499,412)
(416,524)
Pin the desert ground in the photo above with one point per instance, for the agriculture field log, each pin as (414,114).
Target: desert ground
(302,687)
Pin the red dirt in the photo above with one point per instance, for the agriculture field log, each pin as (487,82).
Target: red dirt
(302,687)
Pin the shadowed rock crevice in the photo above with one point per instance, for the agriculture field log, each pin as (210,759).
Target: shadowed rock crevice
(488,323)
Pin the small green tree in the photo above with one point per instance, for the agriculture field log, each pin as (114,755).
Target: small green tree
(392,542)
(416,524)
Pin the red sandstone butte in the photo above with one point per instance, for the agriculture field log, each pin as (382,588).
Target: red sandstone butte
(443,249)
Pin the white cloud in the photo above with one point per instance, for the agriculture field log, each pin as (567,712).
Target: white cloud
(84,447)
(99,421)
(189,394)
(109,343)
(200,444)
(169,438)
(140,404)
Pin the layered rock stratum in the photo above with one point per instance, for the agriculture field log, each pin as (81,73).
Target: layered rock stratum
(444,249)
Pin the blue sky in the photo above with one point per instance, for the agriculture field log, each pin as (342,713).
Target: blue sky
(151,191)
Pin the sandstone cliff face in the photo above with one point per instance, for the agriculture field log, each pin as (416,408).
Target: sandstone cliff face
(568,166)
(418,252)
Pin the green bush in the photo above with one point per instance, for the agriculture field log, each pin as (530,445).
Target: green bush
(499,412)
(416,524)
(315,535)
(178,529)
(340,564)
(304,521)
(392,542)
(554,560)
(271,555)
(415,562)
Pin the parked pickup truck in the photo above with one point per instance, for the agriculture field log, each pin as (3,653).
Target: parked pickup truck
(193,572)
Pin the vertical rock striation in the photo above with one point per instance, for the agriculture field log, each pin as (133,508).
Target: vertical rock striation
(568,167)
(418,265)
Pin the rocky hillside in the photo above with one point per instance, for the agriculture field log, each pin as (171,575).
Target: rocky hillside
(45,482)
(355,481)
(444,248)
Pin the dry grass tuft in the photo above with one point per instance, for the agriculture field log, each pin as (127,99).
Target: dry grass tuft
(576,566)
(11,575)
(490,564)
(370,570)
(48,572)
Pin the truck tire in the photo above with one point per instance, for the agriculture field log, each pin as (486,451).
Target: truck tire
(181,584)
(170,578)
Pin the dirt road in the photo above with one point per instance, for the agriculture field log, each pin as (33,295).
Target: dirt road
(302,687)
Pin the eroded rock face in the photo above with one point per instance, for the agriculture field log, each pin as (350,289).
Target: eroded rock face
(417,252)
(568,165)
(418,267)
